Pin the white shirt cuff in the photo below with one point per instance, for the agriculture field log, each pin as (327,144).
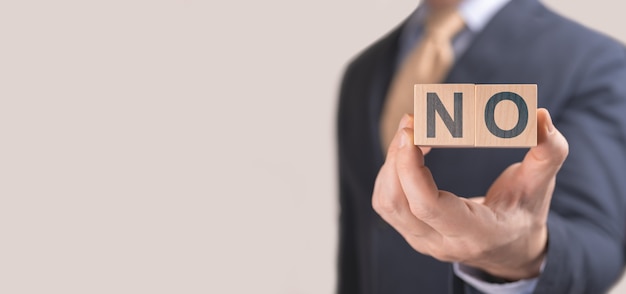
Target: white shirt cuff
(474,277)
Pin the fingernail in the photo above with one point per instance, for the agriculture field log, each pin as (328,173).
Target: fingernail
(551,127)
(402,122)
(403,138)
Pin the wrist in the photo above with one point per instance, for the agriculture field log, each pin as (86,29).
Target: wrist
(521,261)
(529,270)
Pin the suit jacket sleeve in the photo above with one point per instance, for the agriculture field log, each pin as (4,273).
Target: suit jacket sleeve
(586,222)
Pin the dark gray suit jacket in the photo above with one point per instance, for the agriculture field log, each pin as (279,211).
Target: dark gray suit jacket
(581,76)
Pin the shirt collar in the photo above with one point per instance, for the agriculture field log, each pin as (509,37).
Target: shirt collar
(475,13)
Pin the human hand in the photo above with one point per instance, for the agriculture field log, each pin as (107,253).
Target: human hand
(503,233)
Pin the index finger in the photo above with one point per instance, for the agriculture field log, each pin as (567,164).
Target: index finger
(443,211)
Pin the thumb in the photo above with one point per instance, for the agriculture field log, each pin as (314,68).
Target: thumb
(544,160)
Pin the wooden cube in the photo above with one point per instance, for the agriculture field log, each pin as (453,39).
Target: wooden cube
(508,115)
(444,115)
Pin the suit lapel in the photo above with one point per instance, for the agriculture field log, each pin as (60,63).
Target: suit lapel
(496,45)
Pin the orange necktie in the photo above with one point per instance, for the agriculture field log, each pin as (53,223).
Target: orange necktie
(429,63)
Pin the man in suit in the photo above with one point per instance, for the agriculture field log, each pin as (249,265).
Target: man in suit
(550,222)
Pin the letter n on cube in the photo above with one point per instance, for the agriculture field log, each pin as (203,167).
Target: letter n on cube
(444,115)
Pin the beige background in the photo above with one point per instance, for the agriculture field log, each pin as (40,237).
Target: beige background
(180,146)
